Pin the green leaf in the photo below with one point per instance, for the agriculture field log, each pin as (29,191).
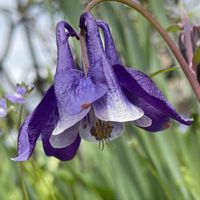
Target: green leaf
(164,71)
(173,28)
(196,57)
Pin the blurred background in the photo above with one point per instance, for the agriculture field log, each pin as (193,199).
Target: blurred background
(139,165)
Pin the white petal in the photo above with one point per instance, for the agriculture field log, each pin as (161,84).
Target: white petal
(67,120)
(142,122)
(65,138)
(114,106)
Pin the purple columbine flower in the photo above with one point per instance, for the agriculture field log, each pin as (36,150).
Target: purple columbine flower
(18,96)
(92,106)
(3,108)
(138,88)
(58,117)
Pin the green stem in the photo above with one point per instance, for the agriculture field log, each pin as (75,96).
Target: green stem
(24,190)
(23,185)
(189,74)
(20,117)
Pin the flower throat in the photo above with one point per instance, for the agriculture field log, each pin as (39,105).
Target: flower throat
(101,130)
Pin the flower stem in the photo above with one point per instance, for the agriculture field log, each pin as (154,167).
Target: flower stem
(23,185)
(189,74)
(84,52)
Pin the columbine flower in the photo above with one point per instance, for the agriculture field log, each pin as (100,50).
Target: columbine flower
(136,87)
(58,115)
(93,105)
(18,96)
(3,108)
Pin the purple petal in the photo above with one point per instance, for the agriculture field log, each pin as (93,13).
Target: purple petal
(113,106)
(67,120)
(15,98)
(43,118)
(159,121)
(65,138)
(96,74)
(3,108)
(65,62)
(60,33)
(110,48)
(18,96)
(74,92)
(25,147)
(63,154)
(21,90)
(93,41)
(141,87)
(64,56)
(143,122)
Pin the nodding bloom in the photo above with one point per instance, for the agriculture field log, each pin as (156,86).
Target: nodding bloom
(3,108)
(18,96)
(184,42)
(136,87)
(91,106)
(194,33)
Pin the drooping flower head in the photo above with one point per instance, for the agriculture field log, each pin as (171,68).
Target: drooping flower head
(44,119)
(64,107)
(194,32)
(191,37)
(91,106)
(137,87)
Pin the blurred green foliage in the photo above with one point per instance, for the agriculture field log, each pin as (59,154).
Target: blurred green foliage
(137,166)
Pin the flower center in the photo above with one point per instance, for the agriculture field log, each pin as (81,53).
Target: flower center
(101,130)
